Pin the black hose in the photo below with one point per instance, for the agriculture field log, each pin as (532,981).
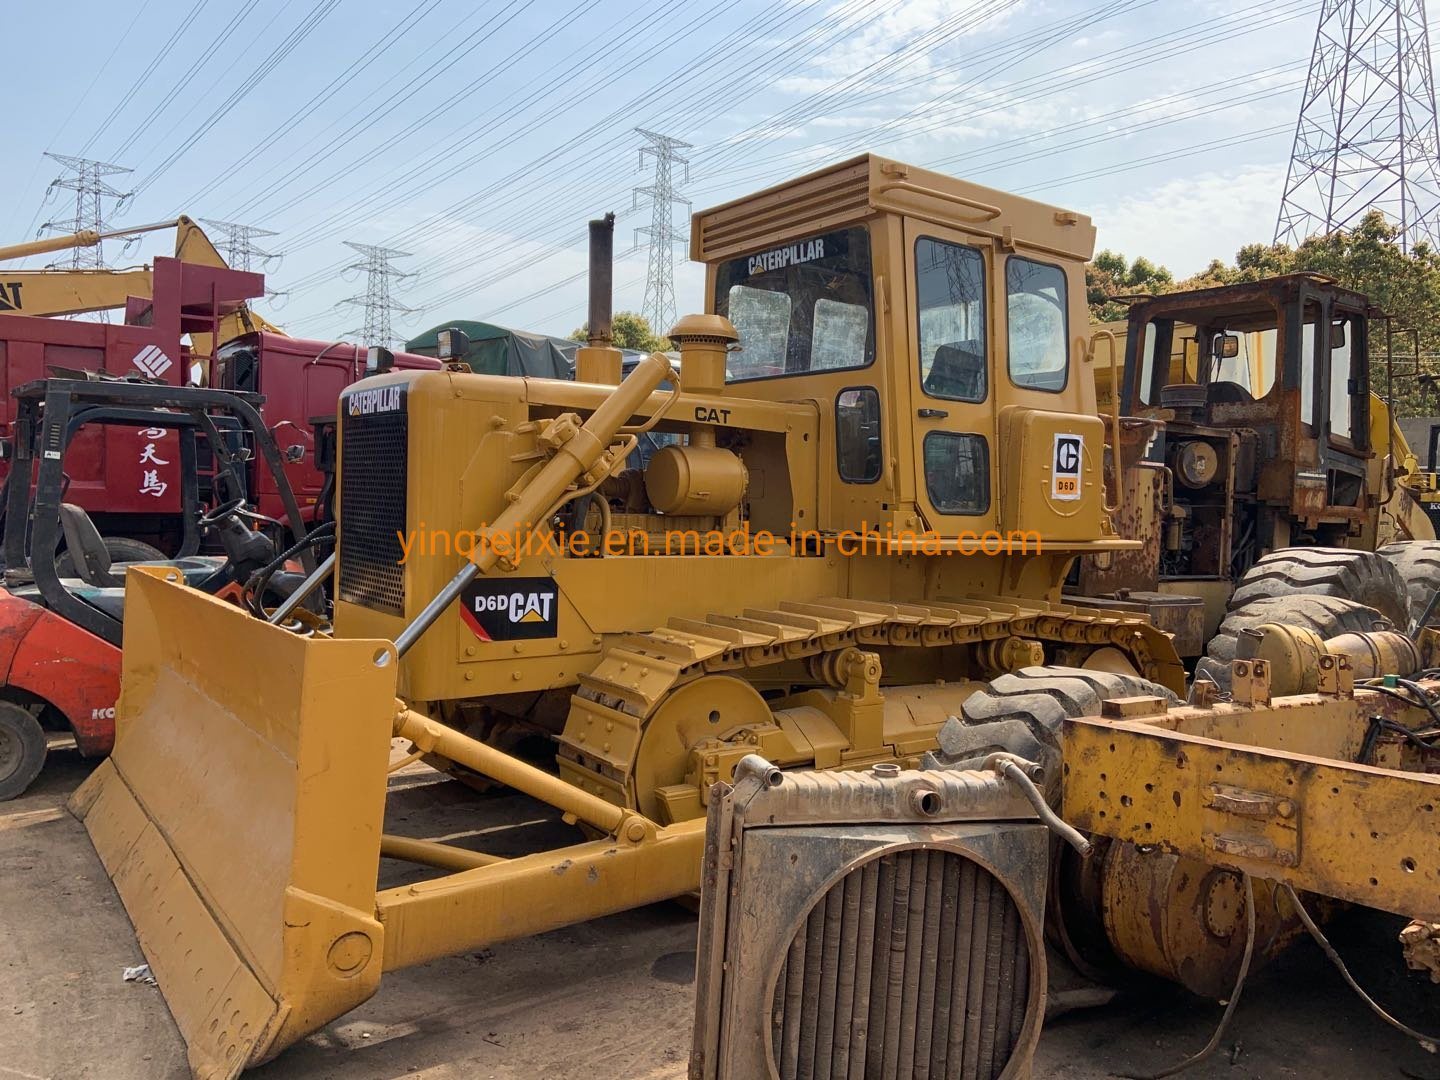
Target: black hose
(1419,691)
(259,581)
(1427,1041)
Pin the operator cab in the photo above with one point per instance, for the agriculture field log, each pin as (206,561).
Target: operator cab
(934,323)
(1287,357)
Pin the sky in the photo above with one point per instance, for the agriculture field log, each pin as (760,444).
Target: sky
(479,136)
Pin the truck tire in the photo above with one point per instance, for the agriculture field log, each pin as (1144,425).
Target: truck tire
(1024,713)
(1364,577)
(22,749)
(1326,615)
(1418,563)
(121,549)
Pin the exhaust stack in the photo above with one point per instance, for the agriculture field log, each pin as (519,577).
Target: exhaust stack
(599,361)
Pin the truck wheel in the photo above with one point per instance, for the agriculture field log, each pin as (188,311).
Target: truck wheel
(22,749)
(121,549)
(1024,714)
(1418,562)
(1326,615)
(1361,576)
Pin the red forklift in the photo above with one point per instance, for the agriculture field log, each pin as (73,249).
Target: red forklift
(61,615)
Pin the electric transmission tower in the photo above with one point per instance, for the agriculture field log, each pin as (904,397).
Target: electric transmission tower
(237,244)
(86,178)
(1367,137)
(379,301)
(659,307)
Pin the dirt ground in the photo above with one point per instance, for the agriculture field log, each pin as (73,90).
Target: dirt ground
(609,999)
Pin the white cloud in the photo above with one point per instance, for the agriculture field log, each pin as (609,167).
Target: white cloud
(1186,222)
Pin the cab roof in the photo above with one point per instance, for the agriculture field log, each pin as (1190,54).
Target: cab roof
(854,190)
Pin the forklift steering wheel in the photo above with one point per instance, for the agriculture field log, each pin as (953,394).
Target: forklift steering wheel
(220,513)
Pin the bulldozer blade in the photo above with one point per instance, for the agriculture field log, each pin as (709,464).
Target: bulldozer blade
(240,817)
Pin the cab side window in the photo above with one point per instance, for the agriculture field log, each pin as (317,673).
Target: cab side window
(857,435)
(1036,306)
(957,472)
(950,291)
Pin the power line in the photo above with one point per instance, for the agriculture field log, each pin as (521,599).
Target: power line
(519,181)
(877,80)
(256,75)
(396,33)
(1366,137)
(200,64)
(144,76)
(378,301)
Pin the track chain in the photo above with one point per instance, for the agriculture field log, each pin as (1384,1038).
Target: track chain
(614,702)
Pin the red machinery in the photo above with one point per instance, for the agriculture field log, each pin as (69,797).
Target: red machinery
(126,479)
(61,627)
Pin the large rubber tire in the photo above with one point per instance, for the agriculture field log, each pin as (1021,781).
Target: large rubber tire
(1362,576)
(1418,563)
(22,749)
(1326,615)
(1025,713)
(121,549)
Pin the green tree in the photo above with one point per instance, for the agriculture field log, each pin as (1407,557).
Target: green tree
(1369,260)
(1110,276)
(630,331)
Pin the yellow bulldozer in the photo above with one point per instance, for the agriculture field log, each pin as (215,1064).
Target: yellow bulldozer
(848,556)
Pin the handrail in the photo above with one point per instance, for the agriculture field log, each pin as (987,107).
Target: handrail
(1109,336)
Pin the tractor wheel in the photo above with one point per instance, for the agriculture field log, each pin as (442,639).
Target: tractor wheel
(1418,562)
(1024,714)
(121,549)
(1326,615)
(1363,577)
(22,749)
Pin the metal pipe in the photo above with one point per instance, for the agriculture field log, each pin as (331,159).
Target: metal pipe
(432,853)
(432,611)
(602,282)
(84,238)
(1052,821)
(546,489)
(531,894)
(308,586)
(435,737)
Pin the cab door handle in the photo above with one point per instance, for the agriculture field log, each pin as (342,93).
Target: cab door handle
(931,414)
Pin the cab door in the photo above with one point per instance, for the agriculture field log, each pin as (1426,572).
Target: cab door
(950,275)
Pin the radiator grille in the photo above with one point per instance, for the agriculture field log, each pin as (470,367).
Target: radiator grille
(373,484)
(915,964)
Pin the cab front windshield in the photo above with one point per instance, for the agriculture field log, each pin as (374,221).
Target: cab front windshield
(800,307)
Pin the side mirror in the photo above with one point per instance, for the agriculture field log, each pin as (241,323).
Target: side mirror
(1337,335)
(1227,346)
(295,454)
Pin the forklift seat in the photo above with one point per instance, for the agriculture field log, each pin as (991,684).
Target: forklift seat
(87,548)
(93,566)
